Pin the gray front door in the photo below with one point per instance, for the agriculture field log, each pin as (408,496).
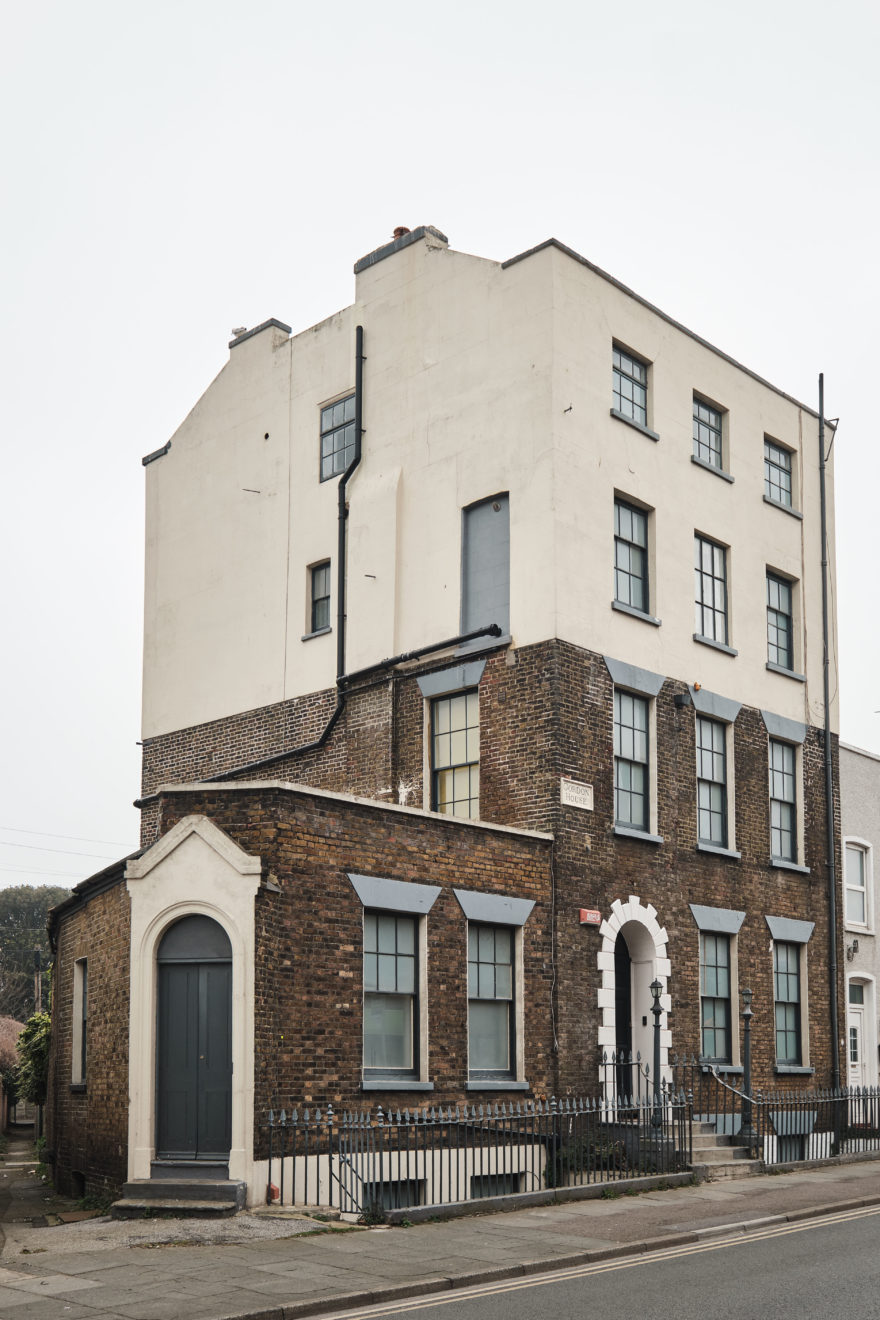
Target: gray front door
(194,1052)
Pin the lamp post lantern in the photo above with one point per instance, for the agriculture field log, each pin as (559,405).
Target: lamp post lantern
(746,1130)
(656,991)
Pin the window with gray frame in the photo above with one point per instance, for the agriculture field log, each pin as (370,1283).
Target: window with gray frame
(707,434)
(319,614)
(80,1021)
(630,385)
(631,779)
(455,754)
(783,801)
(337,437)
(777,473)
(630,556)
(715,997)
(710,588)
(780,622)
(491,1047)
(711,782)
(856,885)
(787,1001)
(390,996)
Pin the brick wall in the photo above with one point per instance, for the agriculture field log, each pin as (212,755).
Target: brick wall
(545,712)
(87,1127)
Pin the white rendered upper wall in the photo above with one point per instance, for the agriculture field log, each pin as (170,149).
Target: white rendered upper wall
(479,378)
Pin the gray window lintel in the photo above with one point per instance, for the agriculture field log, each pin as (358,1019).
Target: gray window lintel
(710,467)
(636,614)
(777,504)
(634,678)
(788,673)
(714,706)
(783,864)
(451,680)
(494,909)
(721,921)
(778,726)
(627,832)
(631,421)
(719,646)
(790,931)
(719,852)
(394,895)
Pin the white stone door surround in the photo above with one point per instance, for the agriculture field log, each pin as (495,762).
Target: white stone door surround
(194,868)
(646,940)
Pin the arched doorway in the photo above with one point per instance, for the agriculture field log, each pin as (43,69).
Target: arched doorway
(632,954)
(194,1041)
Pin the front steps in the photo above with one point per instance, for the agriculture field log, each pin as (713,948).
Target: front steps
(181,1197)
(716,1157)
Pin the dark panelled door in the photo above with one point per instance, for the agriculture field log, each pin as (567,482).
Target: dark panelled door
(194,1060)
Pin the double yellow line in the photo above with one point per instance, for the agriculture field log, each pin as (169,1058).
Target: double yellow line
(738,1238)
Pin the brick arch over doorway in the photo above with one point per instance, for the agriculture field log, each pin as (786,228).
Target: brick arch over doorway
(636,923)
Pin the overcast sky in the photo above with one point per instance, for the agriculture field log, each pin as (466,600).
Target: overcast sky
(172,170)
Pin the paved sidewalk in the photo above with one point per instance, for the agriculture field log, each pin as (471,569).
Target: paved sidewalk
(97,1270)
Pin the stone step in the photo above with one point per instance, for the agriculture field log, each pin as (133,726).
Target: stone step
(721,1154)
(182,1170)
(704,1140)
(171,1207)
(716,1172)
(158,1192)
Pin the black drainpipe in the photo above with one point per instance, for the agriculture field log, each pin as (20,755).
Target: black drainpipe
(829,777)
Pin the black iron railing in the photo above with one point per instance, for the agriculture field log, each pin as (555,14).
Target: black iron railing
(370,1163)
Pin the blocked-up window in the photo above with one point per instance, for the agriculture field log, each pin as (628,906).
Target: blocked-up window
(485,576)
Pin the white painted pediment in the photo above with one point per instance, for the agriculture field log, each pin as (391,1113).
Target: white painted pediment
(192,836)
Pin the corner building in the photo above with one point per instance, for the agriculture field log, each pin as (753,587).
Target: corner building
(582,600)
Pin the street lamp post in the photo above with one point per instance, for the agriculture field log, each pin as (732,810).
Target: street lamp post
(746,1130)
(657,1115)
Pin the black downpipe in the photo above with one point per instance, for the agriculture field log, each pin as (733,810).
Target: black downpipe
(829,777)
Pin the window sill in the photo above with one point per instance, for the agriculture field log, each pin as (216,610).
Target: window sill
(631,421)
(782,864)
(710,467)
(727,1069)
(786,673)
(78,1088)
(719,852)
(319,632)
(777,504)
(718,646)
(636,614)
(484,644)
(395,1084)
(497,1085)
(627,832)
(793,1070)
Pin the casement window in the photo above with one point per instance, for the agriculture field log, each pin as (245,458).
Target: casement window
(631,763)
(777,473)
(337,437)
(783,801)
(715,986)
(629,387)
(710,591)
(787,1002)
(491,1042)
(455,755)
(631,556)
(319,597)
(485,566)
(858,895)
(712,814)
(391,1011)
(79,1044)
(780,621)
(708,434)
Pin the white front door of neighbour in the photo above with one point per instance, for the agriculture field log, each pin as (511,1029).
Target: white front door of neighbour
(856,1034)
